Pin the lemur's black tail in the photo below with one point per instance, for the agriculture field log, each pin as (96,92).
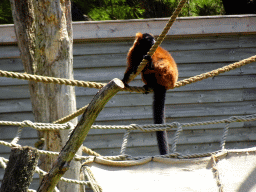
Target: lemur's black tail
(159,118)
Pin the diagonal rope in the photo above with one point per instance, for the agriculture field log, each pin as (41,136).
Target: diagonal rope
(159,39)
(216,72)
(78,83)
(202,76)
(45,79)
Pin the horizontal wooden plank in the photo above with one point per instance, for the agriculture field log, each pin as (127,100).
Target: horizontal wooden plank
(85,95)
(172,45)
(234,79)
(187,137)
(7,106)
(100,30)
(183,26)
(136,100)
(189,70)
(28,142)
(116,61)
(7,81)
(17,116)
(9,51)
(180,110)
(15,92)
(183,149)
(153,150)
(215,55)
(250,124)
(108,73)
(13,64)
(205,43)
(218,84)
(9,132)
(172,98)
(185,71)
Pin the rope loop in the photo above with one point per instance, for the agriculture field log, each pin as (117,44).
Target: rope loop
(136,127)
(125,141)
(224,136)
(176,137)
(28,123)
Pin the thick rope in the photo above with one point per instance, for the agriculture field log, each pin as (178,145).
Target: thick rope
(159,39)
(166,127)
(224,137)
(202,76)
(44,79)
(215,72)
(90,151)
(38,126)
(71,116)
(125,141)
(3,163)
(176,137)
(216,173)
(18,135)
(144,128)
(183,82)
(50,153)
(93,183)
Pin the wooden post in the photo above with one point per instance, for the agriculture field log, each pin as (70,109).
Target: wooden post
(20,169)
(77,137)
(45,39)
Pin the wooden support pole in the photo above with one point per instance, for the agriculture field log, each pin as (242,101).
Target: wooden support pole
(20,169)
(77,137)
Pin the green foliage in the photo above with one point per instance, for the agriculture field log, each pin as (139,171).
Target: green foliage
(111,9)
(206,7)
(5,12)
(132,9)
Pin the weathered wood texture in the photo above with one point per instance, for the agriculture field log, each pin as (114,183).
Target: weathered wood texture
(79,134)
(196,51)
(20,169)
(45,38)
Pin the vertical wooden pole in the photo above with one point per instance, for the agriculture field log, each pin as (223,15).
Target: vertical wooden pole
(45,38)
(20,169)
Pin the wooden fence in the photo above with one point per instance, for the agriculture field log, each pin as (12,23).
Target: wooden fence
(198,45)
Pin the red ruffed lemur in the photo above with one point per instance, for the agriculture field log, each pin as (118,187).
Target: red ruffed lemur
(160,74)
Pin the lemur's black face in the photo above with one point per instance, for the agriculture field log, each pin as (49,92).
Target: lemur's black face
(148,40)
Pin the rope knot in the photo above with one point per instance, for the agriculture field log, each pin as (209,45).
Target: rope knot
(28,124)
(136,127)
(175,125)
(70,126)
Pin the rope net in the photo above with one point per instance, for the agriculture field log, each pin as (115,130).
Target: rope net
(88,84)
(123,159)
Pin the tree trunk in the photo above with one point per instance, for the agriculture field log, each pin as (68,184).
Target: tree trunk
(78,135)
(45,38)
(20,169)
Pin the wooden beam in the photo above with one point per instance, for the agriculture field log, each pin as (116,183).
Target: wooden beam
(77,137)
(126,29)
(20,169)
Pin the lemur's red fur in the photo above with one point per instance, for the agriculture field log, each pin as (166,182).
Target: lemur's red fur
(161,74)
(164,67)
